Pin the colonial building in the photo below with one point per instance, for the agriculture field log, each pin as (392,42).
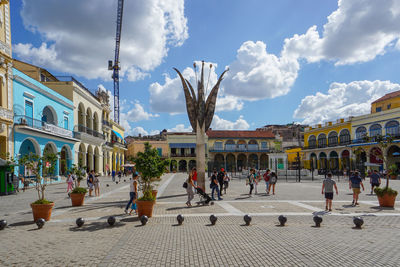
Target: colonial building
(237,150)
(6,92)
(43,123)
(326,146)
(292,134)
(158,141)
(182,151)
(119,146)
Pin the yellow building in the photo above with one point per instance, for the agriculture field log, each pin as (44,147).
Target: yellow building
(6,103)
(326,146)
(137,145)
(182,151)
(386,102)
(119,146)
(292,157)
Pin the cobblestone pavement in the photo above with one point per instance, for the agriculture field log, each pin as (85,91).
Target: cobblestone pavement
(196,243)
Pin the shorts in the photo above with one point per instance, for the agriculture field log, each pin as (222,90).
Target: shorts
(375,184)
(356,190)
(329,195)
(90,185)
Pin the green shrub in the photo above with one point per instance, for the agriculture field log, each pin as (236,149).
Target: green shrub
(79,190)
(380,192)
(147,196)
(42,201)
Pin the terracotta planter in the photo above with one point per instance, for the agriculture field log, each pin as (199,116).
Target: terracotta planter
(42,211)
(77,199)
(393,177)
(387,200)
(145,207)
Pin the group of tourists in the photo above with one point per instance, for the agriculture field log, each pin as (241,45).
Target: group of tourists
(355,184)
(254,178)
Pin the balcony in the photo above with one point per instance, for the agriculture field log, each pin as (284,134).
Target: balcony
(24,121)
(239,148)
(84,129)
(192,155)
(106,123)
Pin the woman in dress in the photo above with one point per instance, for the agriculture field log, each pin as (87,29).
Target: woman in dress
(189,189)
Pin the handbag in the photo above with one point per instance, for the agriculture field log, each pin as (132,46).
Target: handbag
(185,185)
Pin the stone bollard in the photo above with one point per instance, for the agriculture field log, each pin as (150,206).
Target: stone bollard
(282,220)
(247,219)
(180,219)
(358,221)
(144,219)
(3,224)
(80,222)
(317,220)
(111,220)
(40,223)
(213,219)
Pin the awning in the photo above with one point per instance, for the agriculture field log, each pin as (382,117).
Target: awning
(118,135)
(182,145)
(128,165)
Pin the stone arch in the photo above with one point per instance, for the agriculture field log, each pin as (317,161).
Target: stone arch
(81,114)
(332,138)
(253,161)
(173,165)
(241,162)
(313,161)
(29,145)
(51,148)
(82,155)
(182,165)
(89,122)
(230,162)
(65,159)
(333,160)
(323,160)
(344,137)
(392,128)
(89,158)
(375,155)
(219,161)
(345,159)
(49,115)
(321,140)
(192,164)
(95,122)
(393,155)
(264,161)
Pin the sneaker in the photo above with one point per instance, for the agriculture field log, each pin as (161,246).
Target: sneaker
(126,211)
(213,199)
(220,199)
(357,204)
(330,209)
(326,208)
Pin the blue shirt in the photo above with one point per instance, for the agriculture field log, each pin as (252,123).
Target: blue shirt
(375,178)
(355,181)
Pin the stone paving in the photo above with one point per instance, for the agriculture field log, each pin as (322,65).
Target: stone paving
(196,243)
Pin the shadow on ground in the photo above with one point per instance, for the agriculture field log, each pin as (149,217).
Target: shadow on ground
(96,226)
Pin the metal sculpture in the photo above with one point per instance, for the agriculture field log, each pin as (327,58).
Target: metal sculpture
(200,113)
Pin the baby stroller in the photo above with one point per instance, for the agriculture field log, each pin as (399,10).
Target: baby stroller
(205,199)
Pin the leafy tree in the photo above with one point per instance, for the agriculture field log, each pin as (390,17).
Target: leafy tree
(150,166)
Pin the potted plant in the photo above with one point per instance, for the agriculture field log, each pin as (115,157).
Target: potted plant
(150,166)
(392,171)
(40,168)
(78,193)
(386,196)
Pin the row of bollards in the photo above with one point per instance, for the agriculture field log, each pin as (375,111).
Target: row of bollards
(358,221)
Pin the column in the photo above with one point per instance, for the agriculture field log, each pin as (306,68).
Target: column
(57,169)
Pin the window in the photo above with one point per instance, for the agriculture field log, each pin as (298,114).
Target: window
(344,137)
(173,151)
(192,151)
(322,140)
(312,141)
(378,109)
(65,122)
(332,139)
(264,145)
(392,128)
(29,112)
(361,132)
(218,145)
(375,129)
(389,106)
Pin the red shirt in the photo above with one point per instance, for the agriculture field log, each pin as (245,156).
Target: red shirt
(194,177)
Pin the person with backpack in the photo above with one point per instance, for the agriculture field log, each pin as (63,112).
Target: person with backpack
(220,178)
(214,185)
(251,180)
(266,177)
(272,182)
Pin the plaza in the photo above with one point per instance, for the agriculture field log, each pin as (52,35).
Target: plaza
(196,243)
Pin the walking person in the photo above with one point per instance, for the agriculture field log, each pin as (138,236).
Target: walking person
(113,175)
(354,183)
(267,177)
(251,180)
(70,183)
(214,186)
(328,185)
(375,180)
(96,183)
(90,181)
(272,182)
(226,181)
(194,178)
(189,190)
(220,177)
(119,176)
(133,191)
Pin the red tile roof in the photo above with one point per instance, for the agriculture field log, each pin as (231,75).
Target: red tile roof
(387,96)
(240,134)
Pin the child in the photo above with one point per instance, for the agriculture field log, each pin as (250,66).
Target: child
(328,185)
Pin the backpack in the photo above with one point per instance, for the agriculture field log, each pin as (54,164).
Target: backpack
(185,185)
(266,177)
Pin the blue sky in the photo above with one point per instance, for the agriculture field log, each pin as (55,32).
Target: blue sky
(290,61)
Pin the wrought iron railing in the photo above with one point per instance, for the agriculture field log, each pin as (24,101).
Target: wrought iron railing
(84,129)
(41,125)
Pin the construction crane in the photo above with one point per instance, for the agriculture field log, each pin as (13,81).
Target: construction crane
(115,67)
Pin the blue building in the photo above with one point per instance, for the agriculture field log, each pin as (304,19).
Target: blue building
(43,123)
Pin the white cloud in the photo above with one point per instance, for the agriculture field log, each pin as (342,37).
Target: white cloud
(169,97)
(221,124)
(84,44)
(342,100)
(256,74)
(181,128)
(138,130)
